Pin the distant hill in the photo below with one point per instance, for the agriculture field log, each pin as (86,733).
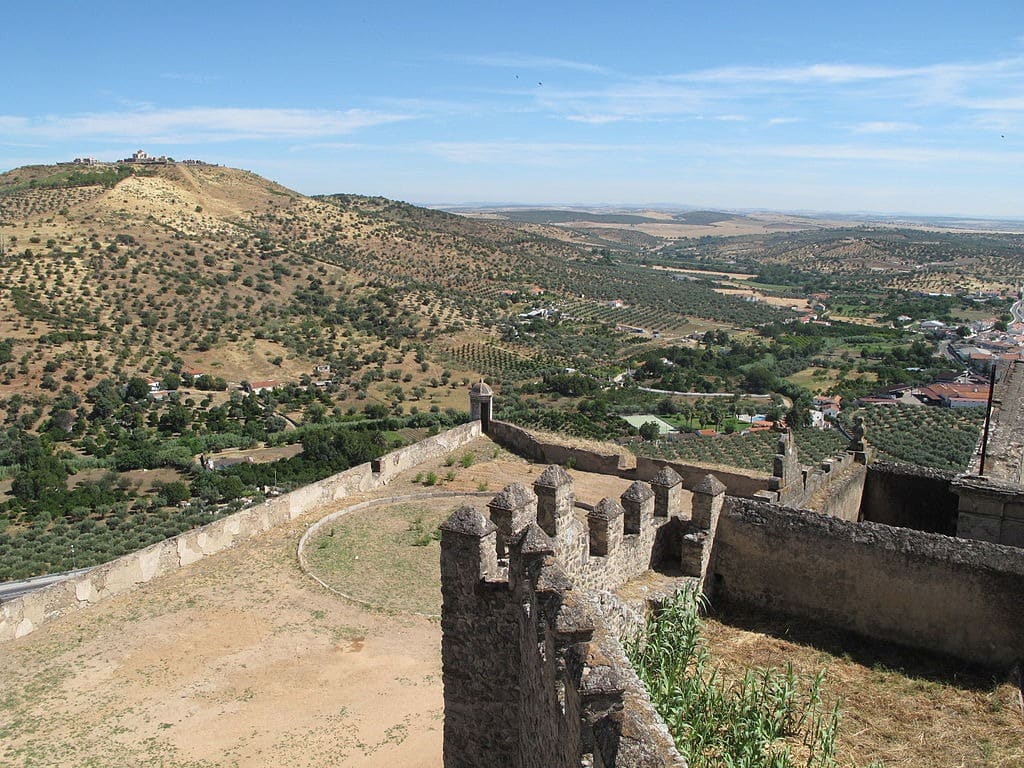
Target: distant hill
(121,269)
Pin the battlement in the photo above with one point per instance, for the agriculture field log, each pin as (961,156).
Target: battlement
(540,680)
(533,671)
(833,487)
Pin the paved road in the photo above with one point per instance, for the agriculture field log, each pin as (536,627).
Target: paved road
(702,394)
(12,589)
(1017,311)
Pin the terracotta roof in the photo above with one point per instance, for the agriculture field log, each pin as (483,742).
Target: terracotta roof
(941,390)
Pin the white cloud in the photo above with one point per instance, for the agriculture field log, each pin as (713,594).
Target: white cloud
(534,153)
(560,152)
(882,126)
(595,119)
(524,61)
(848,73)
(199,124)
(784,120)
(888,155)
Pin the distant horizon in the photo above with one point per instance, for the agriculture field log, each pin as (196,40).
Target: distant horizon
(624,206)
(663,206)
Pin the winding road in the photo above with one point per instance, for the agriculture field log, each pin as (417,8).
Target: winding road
(1016,310)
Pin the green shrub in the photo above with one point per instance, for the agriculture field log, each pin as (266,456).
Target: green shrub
(752,723)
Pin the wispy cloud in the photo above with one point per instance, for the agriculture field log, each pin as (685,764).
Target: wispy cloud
(882,126)
(190,77)
(182,126)
(783,120)
(980,86)
(532,153)
(595,119)
(893,156)
(847,73)
(533,63)
(565,152)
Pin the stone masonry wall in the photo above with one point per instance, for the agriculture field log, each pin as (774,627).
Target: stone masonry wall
(953,596)
(528,445)
(841,495)
(25,614)
(532,676)
(738,482)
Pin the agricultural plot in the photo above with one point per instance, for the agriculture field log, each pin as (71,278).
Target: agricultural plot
(650,318)
(754,450)
(941,438)
(496,360)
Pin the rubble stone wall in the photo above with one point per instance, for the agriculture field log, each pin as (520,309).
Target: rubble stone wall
(953,596)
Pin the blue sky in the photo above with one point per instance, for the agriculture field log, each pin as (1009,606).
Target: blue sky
(914,107)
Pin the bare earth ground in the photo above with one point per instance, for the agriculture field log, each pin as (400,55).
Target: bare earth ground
(242,660)
(238,660)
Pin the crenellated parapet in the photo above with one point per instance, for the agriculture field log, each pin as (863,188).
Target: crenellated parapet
(605,523)
(833,486)
(555,500)
(667,486)
(532,676)
(638,507)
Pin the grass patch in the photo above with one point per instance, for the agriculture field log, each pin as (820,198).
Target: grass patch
(387,556)
(901,708)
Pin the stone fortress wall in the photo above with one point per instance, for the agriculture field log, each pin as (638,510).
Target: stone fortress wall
(533,672)
(24,614)
(531,620)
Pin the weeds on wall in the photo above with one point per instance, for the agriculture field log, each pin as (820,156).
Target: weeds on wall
(772,718)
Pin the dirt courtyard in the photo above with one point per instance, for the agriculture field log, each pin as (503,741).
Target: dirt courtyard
(240,660)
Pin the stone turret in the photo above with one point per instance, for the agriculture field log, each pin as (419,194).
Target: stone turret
(480,402)
(638,504)
(605,523)
(512,510)
(668,489)
(786,464)
(555,499)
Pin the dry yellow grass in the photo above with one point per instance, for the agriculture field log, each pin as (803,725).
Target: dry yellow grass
(901,708)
